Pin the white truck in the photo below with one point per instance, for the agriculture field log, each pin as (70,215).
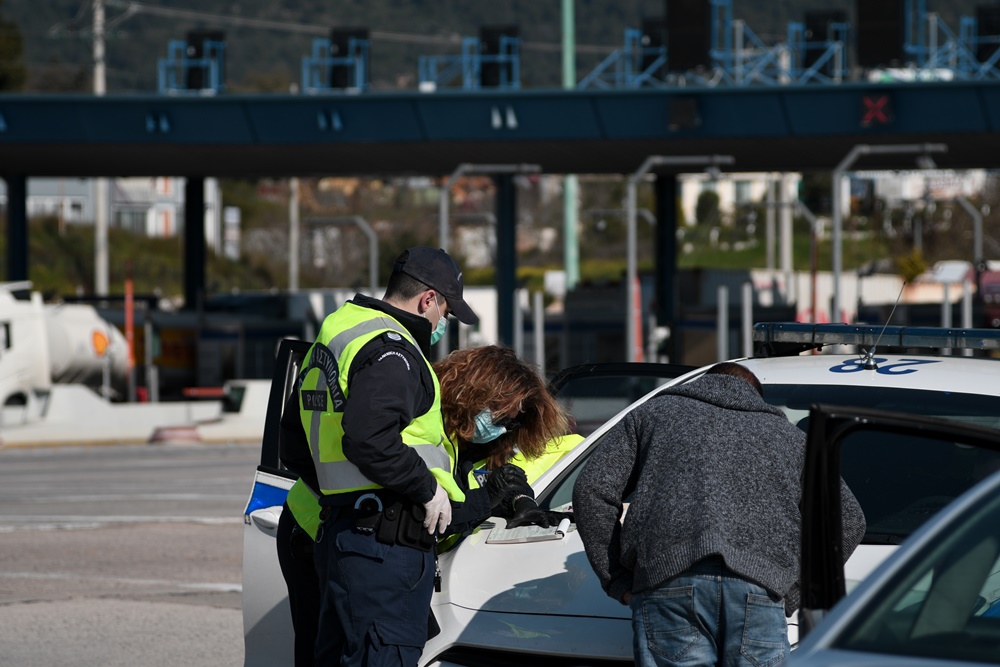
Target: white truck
(42,344)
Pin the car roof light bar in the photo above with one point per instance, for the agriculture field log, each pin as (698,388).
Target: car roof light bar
(815,335)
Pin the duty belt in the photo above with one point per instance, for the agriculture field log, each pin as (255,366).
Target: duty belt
(392,519)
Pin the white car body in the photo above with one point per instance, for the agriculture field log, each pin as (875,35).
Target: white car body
(540,602)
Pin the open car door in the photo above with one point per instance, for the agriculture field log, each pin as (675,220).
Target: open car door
(267,621)
(902,468)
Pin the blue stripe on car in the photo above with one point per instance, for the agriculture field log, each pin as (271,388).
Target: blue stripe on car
(265,495)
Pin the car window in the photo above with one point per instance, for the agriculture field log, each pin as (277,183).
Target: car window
(945,603)
(594,393)
(967,408)
(899,481)
(593,401)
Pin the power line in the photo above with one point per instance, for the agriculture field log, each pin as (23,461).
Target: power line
(135,8)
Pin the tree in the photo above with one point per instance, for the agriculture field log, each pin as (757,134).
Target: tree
(12,71)
(706,210)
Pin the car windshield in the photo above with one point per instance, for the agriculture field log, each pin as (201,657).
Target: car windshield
(899,481)
(594,400)
(945,603)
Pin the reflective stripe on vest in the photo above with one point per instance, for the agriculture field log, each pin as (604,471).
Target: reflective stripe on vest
(323,397)
(304,506)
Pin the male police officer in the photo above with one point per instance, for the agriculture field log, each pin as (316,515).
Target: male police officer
(370,407)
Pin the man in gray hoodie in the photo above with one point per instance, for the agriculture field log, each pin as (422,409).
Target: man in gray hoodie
(707,556)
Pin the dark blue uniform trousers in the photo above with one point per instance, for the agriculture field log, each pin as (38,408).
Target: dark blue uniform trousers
(295,555)
(374,598)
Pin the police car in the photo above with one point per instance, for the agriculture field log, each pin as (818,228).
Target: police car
(538,602)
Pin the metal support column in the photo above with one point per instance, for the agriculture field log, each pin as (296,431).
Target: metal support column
(631,278)
(194,242)
(17,227)
(506,262)
(665,291)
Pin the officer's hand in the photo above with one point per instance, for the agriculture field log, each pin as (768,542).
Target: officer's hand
(500,480)
(437,512)
(534,516)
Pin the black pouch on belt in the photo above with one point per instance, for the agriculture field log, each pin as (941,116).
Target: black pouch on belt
(411,529)
(403,523)
(389,525)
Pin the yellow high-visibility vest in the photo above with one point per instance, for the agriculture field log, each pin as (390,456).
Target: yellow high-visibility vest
(323,395)
(555,449)
(304,506)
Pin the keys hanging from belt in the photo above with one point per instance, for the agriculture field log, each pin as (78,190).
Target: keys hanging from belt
(437,573)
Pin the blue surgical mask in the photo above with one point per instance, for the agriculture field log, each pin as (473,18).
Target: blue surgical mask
(486,430)
(442,326)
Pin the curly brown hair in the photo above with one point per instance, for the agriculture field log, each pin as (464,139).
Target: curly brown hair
(492,377)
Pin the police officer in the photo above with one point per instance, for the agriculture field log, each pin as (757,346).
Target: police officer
(369,405)
(540,416)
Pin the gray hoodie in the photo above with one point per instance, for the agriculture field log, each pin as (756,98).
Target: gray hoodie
(714,470)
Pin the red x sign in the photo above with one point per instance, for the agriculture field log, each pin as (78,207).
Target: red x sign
(875,110)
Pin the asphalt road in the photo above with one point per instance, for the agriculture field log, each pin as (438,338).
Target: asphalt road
(123,555)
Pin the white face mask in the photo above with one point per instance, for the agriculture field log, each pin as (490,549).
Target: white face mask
(442,326)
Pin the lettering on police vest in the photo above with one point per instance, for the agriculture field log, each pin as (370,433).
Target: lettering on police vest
(314,400)
(324,359)
(393,353)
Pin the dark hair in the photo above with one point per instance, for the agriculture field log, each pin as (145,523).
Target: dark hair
(403,287)
(736,370)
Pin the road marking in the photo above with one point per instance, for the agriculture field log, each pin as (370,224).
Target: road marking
(128,496)
(76,576)
(10,524)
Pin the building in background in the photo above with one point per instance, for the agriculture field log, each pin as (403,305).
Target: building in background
(151,207)
(734,190)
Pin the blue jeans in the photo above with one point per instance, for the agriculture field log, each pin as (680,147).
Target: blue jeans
(708,615)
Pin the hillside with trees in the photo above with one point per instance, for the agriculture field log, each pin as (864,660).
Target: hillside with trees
(266,41)
(45,47)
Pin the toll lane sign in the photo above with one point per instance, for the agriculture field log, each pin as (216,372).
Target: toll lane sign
(876,110)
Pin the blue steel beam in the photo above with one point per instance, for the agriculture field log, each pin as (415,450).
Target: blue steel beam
(571,131)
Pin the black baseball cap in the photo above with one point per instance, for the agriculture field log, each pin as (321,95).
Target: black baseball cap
(436,269)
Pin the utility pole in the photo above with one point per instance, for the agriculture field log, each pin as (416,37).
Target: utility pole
(99,76)
(100,184)
(293,234)
(571,246)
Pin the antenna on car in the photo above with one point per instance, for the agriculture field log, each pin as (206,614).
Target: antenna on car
(869,357)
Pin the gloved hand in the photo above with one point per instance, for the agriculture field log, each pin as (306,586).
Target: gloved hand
(527,513)
(499,483)
(437,512)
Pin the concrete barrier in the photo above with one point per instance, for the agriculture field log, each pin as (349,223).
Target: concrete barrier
(74,414)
